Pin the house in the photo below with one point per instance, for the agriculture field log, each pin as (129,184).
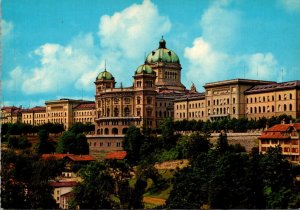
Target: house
(62,192)
(287,136)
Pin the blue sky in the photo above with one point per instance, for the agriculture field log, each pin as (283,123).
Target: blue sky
(55,49)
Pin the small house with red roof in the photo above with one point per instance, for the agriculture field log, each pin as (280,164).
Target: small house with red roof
(62,192)
(287,136)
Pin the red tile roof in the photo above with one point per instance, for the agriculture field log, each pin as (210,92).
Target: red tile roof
(81,157)
(275,135)
(86,106)
(279,128)
(280,131)
(119,155)
(63,184)
(77,158)
(55,156)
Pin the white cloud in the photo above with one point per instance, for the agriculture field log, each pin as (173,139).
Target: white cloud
(220,27)
(61,67)
(290,5)
(6,28)
(133,30)
(124,36)
(209,59)
(263,66)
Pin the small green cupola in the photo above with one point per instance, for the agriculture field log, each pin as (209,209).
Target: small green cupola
(144,69)
(105,75)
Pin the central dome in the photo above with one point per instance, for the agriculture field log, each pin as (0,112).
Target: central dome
(162,54)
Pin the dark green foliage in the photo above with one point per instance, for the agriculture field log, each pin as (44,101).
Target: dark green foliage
(132,144)
(96,189)
(136,201)
(15,142)
(222,144)
(73,144)
(44,146)
(79,127)
(226,177)
(230,125)
(24,181)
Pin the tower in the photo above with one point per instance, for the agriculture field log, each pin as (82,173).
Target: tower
(165,63)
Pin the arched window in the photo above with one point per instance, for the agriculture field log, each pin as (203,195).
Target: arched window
(115,131)
(291,107)
(273,108)
(279,97)
(279,107)
(255,110)
(107,112)
(124,130)
(291,96)
(106,132)
(284,107)
(126,111)
(98,131)
(116,112)
(233,110)
(138,100)
(251,110)
(264,109)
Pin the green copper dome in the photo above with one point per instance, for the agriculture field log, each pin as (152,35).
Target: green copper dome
(105,75)
(146,69)
(162,54)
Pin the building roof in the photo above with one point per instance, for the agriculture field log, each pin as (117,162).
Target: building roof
(63,183)
(119,155)
(9,108)
(90,105)
(237,81)
(105,75)
(190,96)
(273,87)
(144,69)
(76,158)
(279,131)
(162,54)
(68,194)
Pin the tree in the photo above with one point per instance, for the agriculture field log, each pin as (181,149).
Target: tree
(24,181)
(96,189)
(65,141)
(132,143)
(44,146)
(222,144)
(80,146)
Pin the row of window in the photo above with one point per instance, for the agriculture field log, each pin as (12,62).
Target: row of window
(83,113)
(57,114)
(280,142)
(270,98)
(285,149)
(264,109)
(107,144)
(83,120)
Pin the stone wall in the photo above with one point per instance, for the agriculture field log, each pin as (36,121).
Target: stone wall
(247,140)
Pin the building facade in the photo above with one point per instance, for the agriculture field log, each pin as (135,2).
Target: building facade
(62,111)
(156,84)
(240,98)
(287,136)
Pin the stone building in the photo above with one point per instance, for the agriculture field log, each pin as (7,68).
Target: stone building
(156,84)
(63,111)
(240,98)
